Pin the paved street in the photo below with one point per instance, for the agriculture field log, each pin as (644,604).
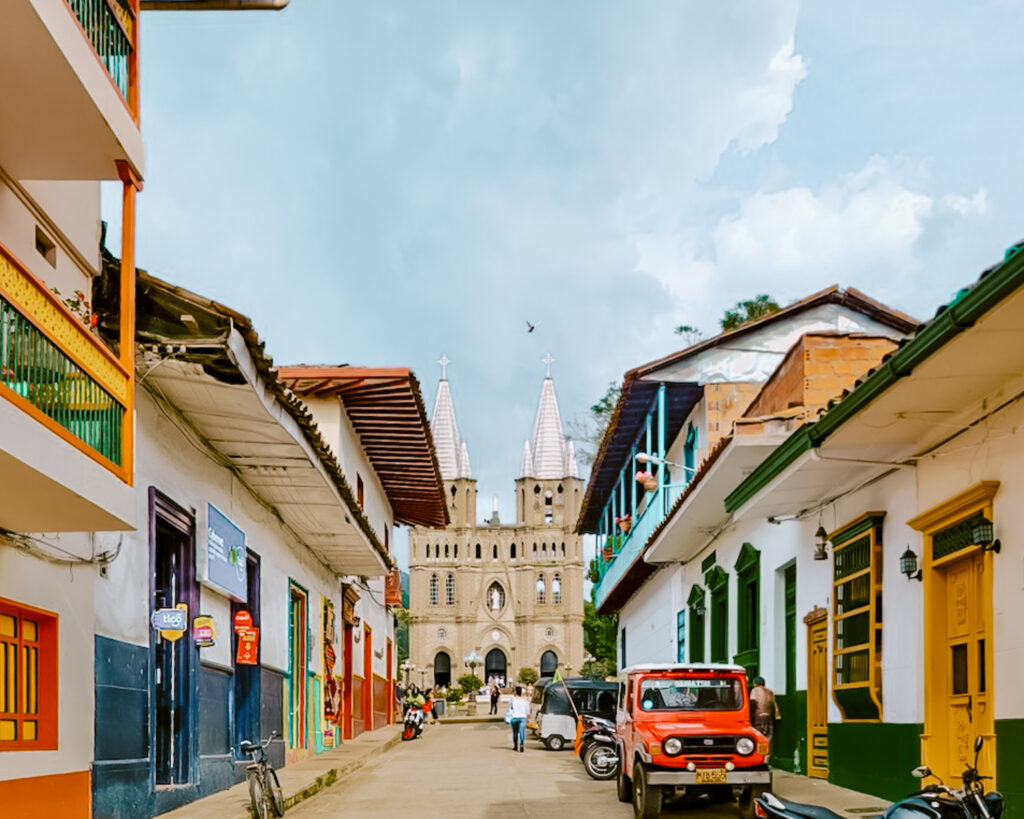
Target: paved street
(463,771)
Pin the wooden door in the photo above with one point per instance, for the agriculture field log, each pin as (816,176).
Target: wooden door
(968,711)
(817,696)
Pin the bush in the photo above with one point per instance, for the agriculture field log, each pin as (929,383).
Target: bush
(470,684)
(454,695)
(528,675)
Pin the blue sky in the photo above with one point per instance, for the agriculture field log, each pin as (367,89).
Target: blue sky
(378,183)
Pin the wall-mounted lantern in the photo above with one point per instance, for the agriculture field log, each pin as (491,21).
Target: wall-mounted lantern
(908,565)
(983,534)
(821,544)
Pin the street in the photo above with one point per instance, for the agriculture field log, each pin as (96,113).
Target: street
(471,771)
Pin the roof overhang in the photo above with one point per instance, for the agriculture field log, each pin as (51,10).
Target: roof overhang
(386,409)
(961,367)
(700,514)
(205,366)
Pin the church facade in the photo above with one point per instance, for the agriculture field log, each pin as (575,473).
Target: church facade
(512,594)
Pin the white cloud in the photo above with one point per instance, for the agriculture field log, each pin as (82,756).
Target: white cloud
(967,205)
(769,102)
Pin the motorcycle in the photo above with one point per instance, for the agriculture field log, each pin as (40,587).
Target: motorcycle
(413,723)
(935,801)
(595,746)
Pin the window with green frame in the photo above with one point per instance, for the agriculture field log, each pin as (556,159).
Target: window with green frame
(857,618)
(681,636)
(748,610)
(695,603)
(718,584)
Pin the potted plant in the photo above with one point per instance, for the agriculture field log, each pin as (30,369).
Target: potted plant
(624,523)
(649,482)
(593,572)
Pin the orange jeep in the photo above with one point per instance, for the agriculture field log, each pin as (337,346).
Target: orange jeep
(685,729)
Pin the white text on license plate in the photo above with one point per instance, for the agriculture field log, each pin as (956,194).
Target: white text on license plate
(711,776)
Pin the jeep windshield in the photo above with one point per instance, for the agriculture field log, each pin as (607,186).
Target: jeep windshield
(671,694)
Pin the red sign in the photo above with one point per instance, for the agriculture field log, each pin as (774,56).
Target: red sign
(243,621)
(248,646)
(393,588)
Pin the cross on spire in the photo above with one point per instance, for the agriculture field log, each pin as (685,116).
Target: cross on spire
(548,361)
(444,361)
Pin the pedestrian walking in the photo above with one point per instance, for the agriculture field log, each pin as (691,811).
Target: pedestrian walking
(495,695)
(519,710)
(428,706)
(764,710)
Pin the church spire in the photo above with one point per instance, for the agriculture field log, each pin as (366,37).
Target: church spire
(548,451)
(452,453)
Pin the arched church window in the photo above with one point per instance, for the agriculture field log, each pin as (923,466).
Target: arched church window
(453,492)
(495,597)
(563,549)
(435,590)
(512,552)
(560,490)
(437,550)
(494,555)
(541,590)
(455,549)
(544,548)
(536,489)
(449,589)
(478,551)
(556,589)
(446,550)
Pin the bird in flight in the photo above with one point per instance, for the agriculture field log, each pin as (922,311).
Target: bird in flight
(531,327)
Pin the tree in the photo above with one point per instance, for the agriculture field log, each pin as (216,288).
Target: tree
(598,669)
(588,431)
(691,335)
(528,675)
(402,634)
(599,633)
(747,311)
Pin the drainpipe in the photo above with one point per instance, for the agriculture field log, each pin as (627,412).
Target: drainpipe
(213,5)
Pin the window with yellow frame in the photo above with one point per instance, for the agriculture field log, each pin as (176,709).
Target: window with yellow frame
(857,618)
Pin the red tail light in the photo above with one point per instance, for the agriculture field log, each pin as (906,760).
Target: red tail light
(759,810)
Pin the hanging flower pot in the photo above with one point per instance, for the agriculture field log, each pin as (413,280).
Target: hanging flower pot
(624,523)
(606,554)
(647,480)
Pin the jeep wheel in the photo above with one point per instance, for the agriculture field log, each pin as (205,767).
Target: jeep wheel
(746,800)
(555,742)
(623,787)
(646,798)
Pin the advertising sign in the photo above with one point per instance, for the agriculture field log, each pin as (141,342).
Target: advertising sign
(225,554)
(203,631)
(243,621)
(393,588)
(248,647)
(169,620)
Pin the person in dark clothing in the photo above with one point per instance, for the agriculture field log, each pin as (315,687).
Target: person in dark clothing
(495,695)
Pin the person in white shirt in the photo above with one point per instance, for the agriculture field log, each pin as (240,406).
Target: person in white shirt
(519,709)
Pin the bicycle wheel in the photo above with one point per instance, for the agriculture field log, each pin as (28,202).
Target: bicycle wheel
(274,792)
(257,796)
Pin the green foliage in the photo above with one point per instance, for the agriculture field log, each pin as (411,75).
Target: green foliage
(593,573)
(588,431)
(469,684)
(599,633)
(747,311)
(528,675)
(603,409)
(598,669)
(402,634)
(691,335)
(454,695)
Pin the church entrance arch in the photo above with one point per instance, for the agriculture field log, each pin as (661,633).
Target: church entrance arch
(548,664)
(495,666)
(442,669)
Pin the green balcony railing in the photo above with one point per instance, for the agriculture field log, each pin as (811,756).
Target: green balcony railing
(109,25)
(36,369)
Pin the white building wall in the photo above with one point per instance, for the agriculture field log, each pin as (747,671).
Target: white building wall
(649,619)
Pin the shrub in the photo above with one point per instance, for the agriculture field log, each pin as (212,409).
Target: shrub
(470,684)
(528,675)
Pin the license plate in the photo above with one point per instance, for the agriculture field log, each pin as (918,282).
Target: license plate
(711,776)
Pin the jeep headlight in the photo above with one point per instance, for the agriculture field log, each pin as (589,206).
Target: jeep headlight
(745,746)
(672,746)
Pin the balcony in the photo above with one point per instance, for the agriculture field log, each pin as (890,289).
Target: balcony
(66,451)
(67,93)
(626,547)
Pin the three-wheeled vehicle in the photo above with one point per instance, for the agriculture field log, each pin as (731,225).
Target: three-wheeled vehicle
(556,717)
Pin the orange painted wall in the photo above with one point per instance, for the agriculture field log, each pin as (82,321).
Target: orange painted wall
(68,796)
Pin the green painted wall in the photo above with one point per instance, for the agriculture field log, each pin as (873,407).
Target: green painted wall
(1009,764)
(790,731)
(874,757)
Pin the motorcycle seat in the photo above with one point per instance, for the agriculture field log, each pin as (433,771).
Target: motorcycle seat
(808,811)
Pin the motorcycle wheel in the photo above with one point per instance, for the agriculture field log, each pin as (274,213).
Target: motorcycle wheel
(646,798)
(623,786)
(600,761)
(407,733)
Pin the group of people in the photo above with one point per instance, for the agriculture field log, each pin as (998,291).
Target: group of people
(423,699)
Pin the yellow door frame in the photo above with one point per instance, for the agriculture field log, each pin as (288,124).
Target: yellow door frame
(935,740)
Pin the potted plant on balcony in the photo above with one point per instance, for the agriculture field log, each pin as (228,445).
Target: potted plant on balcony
(611,547)
(649,481)
(593,572)
(624,523)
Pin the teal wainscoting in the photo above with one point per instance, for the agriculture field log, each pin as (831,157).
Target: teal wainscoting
(790,732)
(875,757)
(1010,765)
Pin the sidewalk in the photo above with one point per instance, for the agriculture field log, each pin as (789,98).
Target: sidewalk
(298,781)
(852,804)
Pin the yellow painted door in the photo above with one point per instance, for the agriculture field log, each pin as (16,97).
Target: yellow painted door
(968,705)
(817,699)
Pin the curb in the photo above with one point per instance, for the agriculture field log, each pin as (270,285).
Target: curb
(463,720)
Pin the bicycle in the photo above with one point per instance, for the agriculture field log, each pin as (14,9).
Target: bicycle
(264,787)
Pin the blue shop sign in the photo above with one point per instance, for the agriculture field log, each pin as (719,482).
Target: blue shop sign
(169,619)
(225,555)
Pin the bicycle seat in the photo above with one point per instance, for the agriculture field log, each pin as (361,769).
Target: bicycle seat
(247,747)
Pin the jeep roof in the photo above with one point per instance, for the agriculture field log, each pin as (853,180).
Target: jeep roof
(680,668)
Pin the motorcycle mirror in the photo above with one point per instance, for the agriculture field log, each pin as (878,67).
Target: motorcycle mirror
(921,772)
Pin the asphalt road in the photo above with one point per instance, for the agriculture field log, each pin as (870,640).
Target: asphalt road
(465,771)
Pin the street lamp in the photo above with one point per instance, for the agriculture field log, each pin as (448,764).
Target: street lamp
(407,668)
(908,565)
(821,544)
(983,534)
(647,457)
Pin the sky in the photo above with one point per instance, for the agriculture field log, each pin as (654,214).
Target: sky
(379,183)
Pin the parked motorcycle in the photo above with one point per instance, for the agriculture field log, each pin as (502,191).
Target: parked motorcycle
(413,723)
(596,747)
(935,801)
